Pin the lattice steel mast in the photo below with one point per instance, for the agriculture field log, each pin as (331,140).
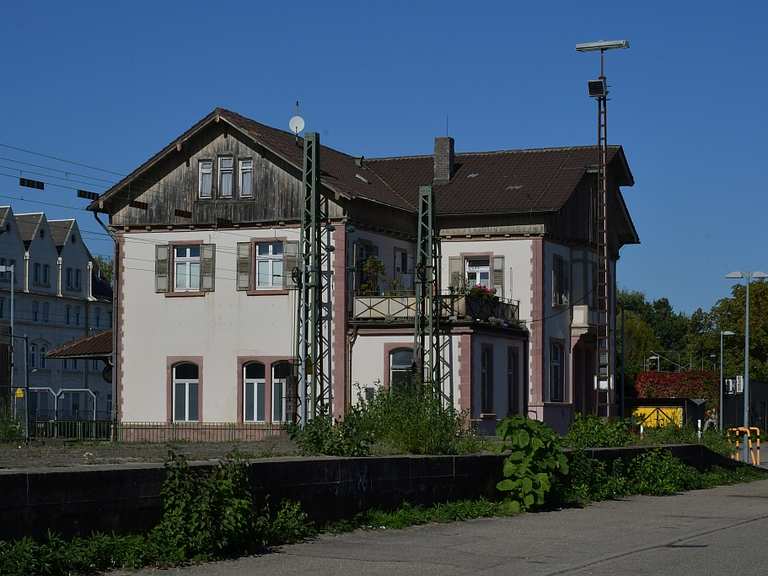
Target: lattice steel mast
(598,89)
(314,305)
(431,345)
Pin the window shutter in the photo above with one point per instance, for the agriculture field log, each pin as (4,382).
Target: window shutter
(498,275)
(243,265)
(207,267)
(290,263)
(455,273)
(161,268)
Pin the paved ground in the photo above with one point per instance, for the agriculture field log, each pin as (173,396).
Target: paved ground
(720,531)
(46,453)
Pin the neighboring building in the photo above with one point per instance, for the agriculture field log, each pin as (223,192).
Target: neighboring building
(58,297)
(207,240)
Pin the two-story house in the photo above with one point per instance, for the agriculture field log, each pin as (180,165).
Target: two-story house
(57,297)
(208,232)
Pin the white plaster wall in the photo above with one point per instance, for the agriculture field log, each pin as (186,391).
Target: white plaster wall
(369,362)
(517,265)
(219,326)
(556,320)
(43,251)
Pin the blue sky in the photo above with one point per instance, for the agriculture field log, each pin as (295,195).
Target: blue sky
(110,83)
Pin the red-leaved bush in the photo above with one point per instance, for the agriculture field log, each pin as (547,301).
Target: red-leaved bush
(694,384)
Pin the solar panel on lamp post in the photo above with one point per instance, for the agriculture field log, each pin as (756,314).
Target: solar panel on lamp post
(722,396)
(748,277)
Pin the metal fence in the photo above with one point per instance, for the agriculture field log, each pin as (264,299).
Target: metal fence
(155,432)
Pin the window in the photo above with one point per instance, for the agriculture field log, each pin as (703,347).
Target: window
(94,365)
(46,311)
(513,382)
(35,311)
(74,364)
(2,307)
(68,315)
(33,356)
(186,386)
(226,164)
(186,268)
(97,319)
(109,317)
(77,279)
(246,178)
(400,367)
(560,282)
(205,182)
(253,392)
(77,315)
(43,358)
(36,270)
(269,265)
(401,269)
(478,272)
(556,373)
(281,372)
(486,379)
(69,282)
(46,274)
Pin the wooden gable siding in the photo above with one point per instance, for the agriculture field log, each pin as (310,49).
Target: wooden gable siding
(173,186)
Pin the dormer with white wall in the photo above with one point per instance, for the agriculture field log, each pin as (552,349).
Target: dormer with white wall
(41,255)
(75,259)
(11,250)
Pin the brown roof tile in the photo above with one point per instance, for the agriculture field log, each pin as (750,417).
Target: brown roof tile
(98,345)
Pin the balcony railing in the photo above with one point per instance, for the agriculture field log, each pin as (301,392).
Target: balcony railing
(458,307)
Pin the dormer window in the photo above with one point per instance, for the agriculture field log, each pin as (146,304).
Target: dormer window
(42,233)
(226,167)
(206,178)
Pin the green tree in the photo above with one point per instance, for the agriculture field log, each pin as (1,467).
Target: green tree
(105,266)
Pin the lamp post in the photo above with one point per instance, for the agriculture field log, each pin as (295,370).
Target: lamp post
(748,277)
(722,396)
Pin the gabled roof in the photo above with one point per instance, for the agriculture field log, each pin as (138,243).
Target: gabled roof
(60,230)
(507,181)
(96,346)
(28,225)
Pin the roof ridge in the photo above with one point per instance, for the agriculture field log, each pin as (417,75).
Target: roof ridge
(493,152)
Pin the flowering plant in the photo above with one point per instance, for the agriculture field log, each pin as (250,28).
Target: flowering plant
(483,293)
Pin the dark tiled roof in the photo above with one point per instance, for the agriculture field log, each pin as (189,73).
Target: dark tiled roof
(485,182)
(99,345)
(28,224)
(59,230)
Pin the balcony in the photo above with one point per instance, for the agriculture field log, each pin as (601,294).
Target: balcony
(455,307)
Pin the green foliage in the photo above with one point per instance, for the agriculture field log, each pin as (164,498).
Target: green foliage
(291,524)
(10,429)
(712,439)
(595,432)
(658,473)
(372,271)
(408,419)
(535,456)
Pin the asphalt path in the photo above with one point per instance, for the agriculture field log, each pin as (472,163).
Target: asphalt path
(721,531)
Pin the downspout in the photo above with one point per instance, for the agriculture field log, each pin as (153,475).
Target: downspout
(115,319)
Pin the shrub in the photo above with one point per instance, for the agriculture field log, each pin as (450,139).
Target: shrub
(10,429)
(595,432)
(712,439)
(291,524)
(592,480)
(658,473)
(408,419)
(535,457)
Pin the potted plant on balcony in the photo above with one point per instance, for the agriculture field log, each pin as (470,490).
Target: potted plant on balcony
(371,272)
(482,302)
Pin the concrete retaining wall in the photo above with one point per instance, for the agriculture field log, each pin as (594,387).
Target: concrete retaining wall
(124,499)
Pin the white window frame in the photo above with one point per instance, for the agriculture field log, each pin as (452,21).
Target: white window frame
(78,279)
(270,258)
(283,404)
(222,172)
(77,315)
(399,368)
(186,382)
(35,311)
(257,402)
(477,270)
(68,314)
(204,167)
(68,284)
(33,356)
(46,274)
(43,359)
(187,260)
(245,167)
(557,366)
(37,271)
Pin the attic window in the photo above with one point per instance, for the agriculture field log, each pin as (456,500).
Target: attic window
(42,233)
(473,175)
(74,238)
(361,178)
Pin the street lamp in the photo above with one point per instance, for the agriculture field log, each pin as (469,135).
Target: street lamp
(722,398)
(748,277)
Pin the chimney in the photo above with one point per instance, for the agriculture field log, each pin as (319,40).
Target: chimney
(443,159)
